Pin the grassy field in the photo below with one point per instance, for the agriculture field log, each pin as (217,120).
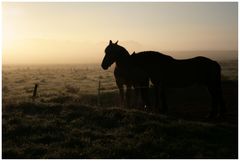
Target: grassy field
(70,128)
(37,130)
(65,120)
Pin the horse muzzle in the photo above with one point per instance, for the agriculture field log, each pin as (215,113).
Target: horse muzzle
(104,67)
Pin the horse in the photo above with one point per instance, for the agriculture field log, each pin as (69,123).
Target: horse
(165,71)
(126,74)
(127,97)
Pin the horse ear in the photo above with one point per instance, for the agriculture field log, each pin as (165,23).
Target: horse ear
(134,52)
(116,42)
(110,42)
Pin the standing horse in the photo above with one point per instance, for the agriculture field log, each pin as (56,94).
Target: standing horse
(125,73)
(165,71)
(126,97)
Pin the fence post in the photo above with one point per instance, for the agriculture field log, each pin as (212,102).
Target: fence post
(99,88)
(35,92)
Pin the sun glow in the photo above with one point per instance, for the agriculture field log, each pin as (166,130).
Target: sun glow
(79,32)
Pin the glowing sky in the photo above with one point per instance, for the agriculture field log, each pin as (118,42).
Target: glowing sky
(79,32)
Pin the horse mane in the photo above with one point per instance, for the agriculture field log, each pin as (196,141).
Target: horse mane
(158,53)
(122,50)
(118,49)
(154,54)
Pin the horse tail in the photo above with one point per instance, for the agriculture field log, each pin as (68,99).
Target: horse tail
(218,73)
(215,86)
(214,73)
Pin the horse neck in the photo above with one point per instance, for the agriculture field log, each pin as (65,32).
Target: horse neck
(123,61)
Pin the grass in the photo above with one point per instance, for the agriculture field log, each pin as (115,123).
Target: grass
(54,130)
(65,122)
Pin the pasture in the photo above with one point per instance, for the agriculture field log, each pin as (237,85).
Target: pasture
(65,121)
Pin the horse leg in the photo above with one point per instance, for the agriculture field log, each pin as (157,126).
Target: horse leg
(223,108)
(121,92)
(128,96)
(221,101)
(214,98)
(217,100)
(137,101)
(163,97)
(156,98)
(145,96)
(159,92)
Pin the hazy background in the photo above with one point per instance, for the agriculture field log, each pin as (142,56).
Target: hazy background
(65,33)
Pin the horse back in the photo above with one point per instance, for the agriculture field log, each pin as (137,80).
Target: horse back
(165,69)
(198,70)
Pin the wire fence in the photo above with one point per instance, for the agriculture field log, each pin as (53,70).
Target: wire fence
(101,88)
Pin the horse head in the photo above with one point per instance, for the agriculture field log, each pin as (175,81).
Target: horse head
(113,53)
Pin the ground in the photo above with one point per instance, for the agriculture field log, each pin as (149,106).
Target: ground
(80,129)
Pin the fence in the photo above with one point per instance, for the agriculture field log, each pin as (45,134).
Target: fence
(42,88)
(135,96)
(101,90)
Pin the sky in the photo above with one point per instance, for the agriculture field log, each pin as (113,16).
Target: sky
(78,32)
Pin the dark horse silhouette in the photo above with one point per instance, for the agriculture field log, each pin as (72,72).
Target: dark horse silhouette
(165,71)
(126,73)
(126,98)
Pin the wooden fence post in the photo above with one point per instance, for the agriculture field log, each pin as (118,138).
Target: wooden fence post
(35,92)
(99,92)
